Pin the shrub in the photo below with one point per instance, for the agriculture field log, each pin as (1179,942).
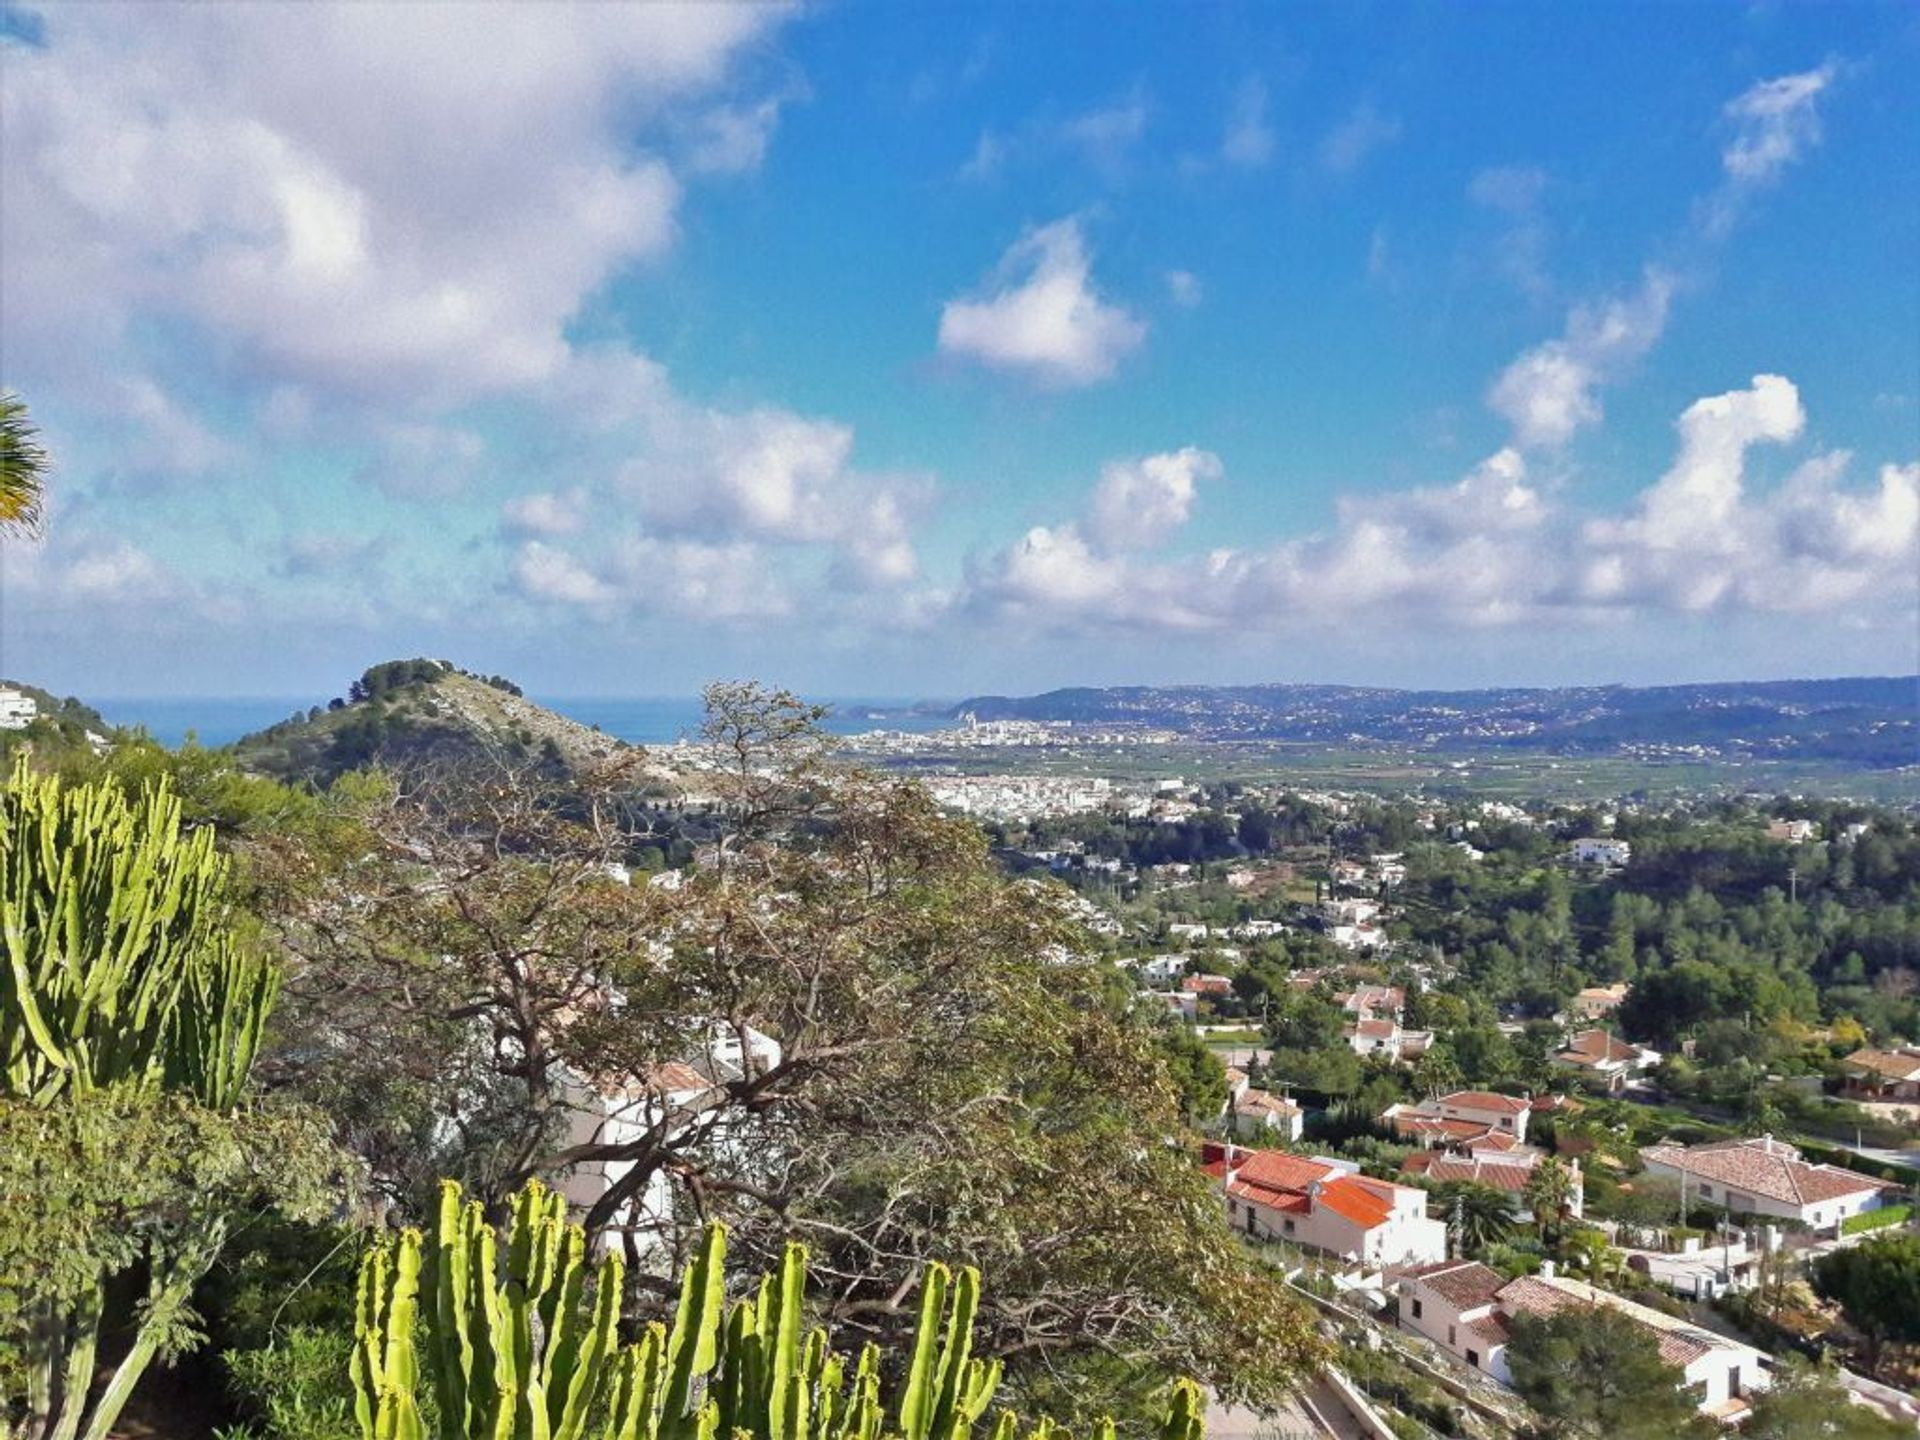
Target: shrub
(1876,1219)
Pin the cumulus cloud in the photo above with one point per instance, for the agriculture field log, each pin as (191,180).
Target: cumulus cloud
(1140,503)
(1039,314)
(1493,549)
(546,512)
(1553,390)
(643,574)
(432,238)
(544,572)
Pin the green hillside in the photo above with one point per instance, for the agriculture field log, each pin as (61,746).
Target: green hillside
(410,712)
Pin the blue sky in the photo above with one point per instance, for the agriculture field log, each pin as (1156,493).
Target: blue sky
(930,350)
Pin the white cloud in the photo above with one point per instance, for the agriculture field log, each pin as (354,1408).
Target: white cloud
(731,139)
(547,512)
(1248,141)
(1139,503)
(648,575)
(989,154)
(1552,391)
(430,237)
(1040,314)
(1349,144)
(1774,123)
(1494,550)
(1106,135)
(546,573)
(1184,288)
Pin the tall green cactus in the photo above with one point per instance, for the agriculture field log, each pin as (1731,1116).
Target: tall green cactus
(517,1351)
(119,967)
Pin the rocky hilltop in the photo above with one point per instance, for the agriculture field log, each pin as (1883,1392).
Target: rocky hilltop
(410,712)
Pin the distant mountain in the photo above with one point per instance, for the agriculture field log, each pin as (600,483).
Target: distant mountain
(1871,722)
(406,712)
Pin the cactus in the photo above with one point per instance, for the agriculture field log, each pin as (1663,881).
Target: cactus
(516,1350)
(118,968)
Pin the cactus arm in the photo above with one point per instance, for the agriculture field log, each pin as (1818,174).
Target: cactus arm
(783,1357)
(919,1397)
(694,1344)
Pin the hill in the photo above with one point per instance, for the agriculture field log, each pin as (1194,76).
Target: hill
(410,712)
(1873,722)
(58,727)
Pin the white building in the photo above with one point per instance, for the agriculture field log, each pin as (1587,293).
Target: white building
(1259,1114)
(1325,1205)
(672,1100)
(1603,1060)
(17,709)
(1468,1309)
(1611,853)
(1767,1177)
(1461,1117)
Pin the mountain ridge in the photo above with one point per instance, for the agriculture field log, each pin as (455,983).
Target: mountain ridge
(1869,720)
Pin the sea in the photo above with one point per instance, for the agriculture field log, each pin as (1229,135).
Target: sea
(213,720)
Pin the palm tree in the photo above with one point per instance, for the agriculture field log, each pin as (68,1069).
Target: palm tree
(1550,1194)
(23,468)
(1481,1215)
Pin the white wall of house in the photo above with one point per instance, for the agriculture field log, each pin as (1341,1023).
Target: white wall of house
(1820,1215)
(1406,1237)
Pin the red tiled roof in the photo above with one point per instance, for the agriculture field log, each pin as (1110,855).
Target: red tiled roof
(1491,1328)
(1446,1169)
(1262,1102)
(1463,1284)
(1484,1100)
(1374,1029)
(1892,1064)
(1596,1047)
(1358,1202)
(1766,1168)
(676,1077)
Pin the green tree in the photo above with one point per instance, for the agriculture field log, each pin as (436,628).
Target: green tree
(1877,1285)
(1590,1371)
(1549,1195)
(1807,1402)
(1483,1215)
(23,468)
(949,1082)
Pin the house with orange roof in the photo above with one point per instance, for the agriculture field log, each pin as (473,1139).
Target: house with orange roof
(1461,1116)
(1325,1205)
(1604,1060)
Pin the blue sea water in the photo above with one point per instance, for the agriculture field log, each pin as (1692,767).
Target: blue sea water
(651,720)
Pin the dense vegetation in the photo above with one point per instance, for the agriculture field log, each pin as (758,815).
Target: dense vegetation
(879,1043)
